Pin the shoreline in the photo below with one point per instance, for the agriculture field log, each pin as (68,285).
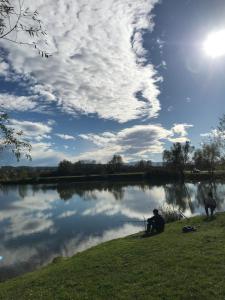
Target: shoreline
(155,175)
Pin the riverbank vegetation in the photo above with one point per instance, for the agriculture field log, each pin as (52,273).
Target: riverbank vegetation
(156,175)
(172,265)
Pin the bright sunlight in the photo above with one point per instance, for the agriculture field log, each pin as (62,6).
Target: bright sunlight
(214,45)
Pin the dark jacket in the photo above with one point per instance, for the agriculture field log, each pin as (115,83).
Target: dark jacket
(157,222)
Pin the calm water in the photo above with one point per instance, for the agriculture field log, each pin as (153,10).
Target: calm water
(40,222)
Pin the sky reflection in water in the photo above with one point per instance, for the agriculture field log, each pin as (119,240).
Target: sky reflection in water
(38,223)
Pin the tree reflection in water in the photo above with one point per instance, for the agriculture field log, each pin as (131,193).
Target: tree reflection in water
(87,191)
(179,195)
(203,189)
(186,196)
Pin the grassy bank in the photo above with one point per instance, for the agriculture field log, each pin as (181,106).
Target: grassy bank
(172,265)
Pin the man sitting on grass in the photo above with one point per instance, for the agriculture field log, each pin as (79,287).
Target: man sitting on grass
(156,223)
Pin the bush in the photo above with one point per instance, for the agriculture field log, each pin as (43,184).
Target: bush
(170,214)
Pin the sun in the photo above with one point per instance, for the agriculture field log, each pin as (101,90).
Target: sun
(214,45)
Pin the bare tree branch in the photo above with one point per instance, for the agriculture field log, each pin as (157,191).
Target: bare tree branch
(20,20)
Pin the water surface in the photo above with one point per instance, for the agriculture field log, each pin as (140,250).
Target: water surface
(41,222)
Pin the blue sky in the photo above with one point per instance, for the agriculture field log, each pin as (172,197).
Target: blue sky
(126,77)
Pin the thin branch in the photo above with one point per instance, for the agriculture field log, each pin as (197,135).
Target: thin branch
(13,28)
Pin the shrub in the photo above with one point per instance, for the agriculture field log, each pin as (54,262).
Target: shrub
(170,214)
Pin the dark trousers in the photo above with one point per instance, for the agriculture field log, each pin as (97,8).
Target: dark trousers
(152,227)
(211,207)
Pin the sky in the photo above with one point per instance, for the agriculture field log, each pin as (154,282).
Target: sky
(125,77)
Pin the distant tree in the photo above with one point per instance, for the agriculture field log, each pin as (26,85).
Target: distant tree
(178,156)
(11,140)
(211,155)
(65,167)
(221,126)
(207,157)
(219,136)
(222,162)
(143,165)
(17,20)
(198,159)
(115,163)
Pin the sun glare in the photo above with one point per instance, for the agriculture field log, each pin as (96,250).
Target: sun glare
(214,45)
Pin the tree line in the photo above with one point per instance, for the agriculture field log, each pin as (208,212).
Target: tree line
(115,165)
(210,156)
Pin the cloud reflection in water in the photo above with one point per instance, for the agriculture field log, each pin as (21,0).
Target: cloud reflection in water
(38,223)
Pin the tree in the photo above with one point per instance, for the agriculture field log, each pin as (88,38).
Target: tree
(11,140)
(198,159)
(178,156)
(65,167)
(115,163)
(208,156)
(219,137)
(221,126)
(17,21)
(143,165)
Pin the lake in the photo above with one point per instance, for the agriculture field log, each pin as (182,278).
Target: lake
(41,222)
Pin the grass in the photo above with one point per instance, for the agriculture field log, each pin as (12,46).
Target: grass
(171,265)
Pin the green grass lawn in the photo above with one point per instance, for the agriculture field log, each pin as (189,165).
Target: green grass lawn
(170,266)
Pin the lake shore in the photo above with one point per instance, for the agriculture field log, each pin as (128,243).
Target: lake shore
(171,265)
(157,174)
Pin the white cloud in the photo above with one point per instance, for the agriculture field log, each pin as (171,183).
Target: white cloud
(179,133)
(67,214)
(181,129)
(65,136)
(17,103)
(44,91)
(188,99)
(32,130)
(39,135)
(170,108)
(214,134)
(3,68)
(137,142)
(134,143)
(43,153)
(97,62)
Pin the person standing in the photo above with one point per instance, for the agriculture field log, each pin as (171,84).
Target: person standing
(210,204)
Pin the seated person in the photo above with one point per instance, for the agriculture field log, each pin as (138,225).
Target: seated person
(156,223)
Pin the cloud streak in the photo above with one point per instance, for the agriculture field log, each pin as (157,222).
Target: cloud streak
(65,136)
(97,66)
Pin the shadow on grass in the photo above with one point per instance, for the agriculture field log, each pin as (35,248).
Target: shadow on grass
(143,235)
(209,219)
